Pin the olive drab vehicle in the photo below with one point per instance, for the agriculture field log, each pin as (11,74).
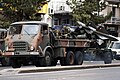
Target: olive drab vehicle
(34,41)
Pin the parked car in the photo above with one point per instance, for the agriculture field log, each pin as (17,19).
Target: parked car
(115,46)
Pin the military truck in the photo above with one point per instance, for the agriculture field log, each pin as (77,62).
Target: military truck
(34,41)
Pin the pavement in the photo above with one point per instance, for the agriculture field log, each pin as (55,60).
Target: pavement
(59,68)
(12,71)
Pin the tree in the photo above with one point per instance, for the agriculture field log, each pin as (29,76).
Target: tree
(18,10)
(86,10)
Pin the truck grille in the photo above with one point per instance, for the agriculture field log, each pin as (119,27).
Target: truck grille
(20,46)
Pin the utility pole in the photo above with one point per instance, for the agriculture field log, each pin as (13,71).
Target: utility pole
(98,7)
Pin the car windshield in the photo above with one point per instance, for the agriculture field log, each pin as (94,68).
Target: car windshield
(115,45)
(29,29)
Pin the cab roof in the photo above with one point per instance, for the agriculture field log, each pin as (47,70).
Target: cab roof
(28,22)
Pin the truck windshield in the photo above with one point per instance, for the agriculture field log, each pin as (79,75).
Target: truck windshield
(115,45)
(29,29)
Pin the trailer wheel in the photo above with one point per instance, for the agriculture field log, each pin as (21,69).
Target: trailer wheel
(70,58)
(46,61)
(78,58)
(107,58)
(15,63)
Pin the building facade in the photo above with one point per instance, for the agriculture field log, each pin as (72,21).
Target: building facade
(113,24)
(60,12)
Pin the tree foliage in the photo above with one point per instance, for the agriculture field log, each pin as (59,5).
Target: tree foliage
(17,10)
(88,10)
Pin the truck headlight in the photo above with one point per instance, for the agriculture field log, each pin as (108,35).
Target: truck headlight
(6,48)
(32,48)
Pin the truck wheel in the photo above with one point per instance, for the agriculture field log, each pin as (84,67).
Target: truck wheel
(78,58)
(107,58)
(15,63)
(46,61)
(70,58)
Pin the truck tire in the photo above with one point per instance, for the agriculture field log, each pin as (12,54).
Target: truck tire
(70,58)
(78,58)
(15,63)
(46,61)
(107,58)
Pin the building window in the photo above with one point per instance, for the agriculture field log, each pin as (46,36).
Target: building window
(50,10)
(111,28)
(113,11)
(65,21)
(56,22)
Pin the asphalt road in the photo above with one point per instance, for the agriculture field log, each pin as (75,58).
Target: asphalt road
(84,74)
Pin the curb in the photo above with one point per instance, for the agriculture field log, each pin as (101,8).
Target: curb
(60,68)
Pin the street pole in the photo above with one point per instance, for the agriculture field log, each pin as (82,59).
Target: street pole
(98,7)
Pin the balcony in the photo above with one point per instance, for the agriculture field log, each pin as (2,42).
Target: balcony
(113,1)
(113,20)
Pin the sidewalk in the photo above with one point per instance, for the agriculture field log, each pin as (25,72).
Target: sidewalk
(33,69)
(59,68)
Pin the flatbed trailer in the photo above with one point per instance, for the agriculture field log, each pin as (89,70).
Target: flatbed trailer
(72,43)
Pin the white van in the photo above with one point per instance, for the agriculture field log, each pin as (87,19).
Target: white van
(115,46)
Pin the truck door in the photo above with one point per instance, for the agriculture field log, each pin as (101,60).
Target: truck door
(45,36)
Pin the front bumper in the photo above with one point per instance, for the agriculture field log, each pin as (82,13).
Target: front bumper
(18,53)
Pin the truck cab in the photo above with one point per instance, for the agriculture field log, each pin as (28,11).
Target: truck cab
(26,41)
(34,41)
